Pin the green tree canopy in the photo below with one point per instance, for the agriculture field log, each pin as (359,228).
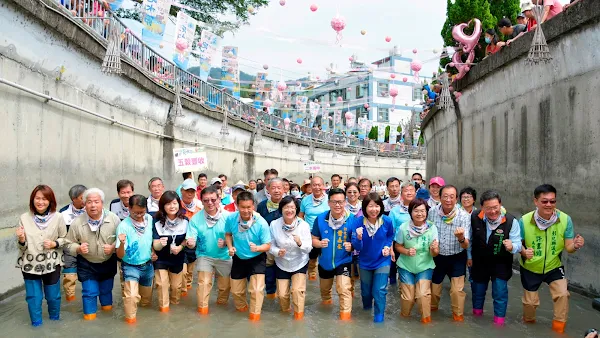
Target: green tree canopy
(505,8)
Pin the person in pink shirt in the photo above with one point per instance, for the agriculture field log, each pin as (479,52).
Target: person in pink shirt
(551,8)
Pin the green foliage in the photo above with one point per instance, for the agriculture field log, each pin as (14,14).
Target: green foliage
(505,8)
(387,134)
(462,11)
(373,133)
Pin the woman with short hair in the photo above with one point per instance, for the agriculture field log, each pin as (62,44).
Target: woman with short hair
(168,233)
(40,236)
(291,242)
(372,237)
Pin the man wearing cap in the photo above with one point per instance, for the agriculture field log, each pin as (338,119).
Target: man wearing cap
(185,175)
(454,226)
(435,184)
(521,19)
(235,190)
(191,205)
(262,195)
(269,210)
(218,184)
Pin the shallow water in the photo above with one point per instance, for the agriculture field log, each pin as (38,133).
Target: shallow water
(319,321)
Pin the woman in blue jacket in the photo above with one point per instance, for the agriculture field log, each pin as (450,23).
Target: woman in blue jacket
(372,237)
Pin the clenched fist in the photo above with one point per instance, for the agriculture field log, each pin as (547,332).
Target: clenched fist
(253,247)
(528,253)
(84,248)
(324,243)
(48,244)
(507,244)
(175,249)
(21,234)
(122,238)
(348,246)
(359,233)
(459,233)
(164,241)
(191,243)
(386,251)
(412,252)
(435,245)
(221,243)
(578,242)
(232,251)
(281,252)
(108,249)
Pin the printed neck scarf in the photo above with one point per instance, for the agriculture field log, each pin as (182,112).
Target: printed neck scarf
(317,201)
(372,228)
(191,206)
(76,212)
(542,223)
(124,210)
(139,227)
(450,217)
(493,225)
(292,226)
(42,221)
(72,213)
(95,224)
(152,203)
(272,206)
(212,220)
(404,208)
(394,201)
(172,227)
(337,223)
(415,231)
(353,209)
(245,225)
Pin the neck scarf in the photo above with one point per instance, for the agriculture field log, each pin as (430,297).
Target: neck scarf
(272,206)
(139,227)
(404,208)
(267,193)
(317,201)
(372,228)
(493,225)
(42,221)
(71,213)
(95,224)
(337,223)
(191,206)
(175,227)
(450,217)
(542,223)
(415,231)
(394,201)
(292,226)
(245,225)
(353,209)
(212,220)
(76,212)
(124,210)
(152,203)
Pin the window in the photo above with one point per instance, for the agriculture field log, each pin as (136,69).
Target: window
(346,93)
(417,93)
(360,91)
(333,96)
(383,115)
(383,89)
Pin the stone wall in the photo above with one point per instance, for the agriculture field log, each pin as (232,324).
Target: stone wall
(518,126)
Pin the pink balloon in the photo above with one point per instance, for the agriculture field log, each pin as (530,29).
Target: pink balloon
(338,24)
(457,95)
(366,105)
(349,89)
(451,64)
(388,38)
(299,60)
(463,68)
(339,99)
(404,79)
(451,88)
(314,7)
(348,116)
(253,86)
(351,59)
(468,41)
(268,103)
(393,76)
(127,30)
(415,51)
(281,86)
(393,92)
(282,2)
(286,122)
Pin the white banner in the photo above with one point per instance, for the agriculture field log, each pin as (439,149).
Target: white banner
(312,167)
(184,39)
(207,47)
(189,159)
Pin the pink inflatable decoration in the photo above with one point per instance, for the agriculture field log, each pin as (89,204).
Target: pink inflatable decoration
(404,79)
(415,51)
(268,103)
(366,106)
(416,66)
(281,86)
(338,24)
(393,76)
(348,116)
(463,68)
(253,86)
(299,60)
(388,38)
(393,94)
(339,99)
(468,42)
(349,89)
(127,30)
(286,122)
(282,2)
(457,95)
(314,7)
(265,66)
(351,59)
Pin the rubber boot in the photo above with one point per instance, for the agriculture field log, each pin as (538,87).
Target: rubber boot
(423,296)
(161,279)
(224,288)
(175,280)
(205,283)
(283,293)
(560,297)
(184,272)
(69,283)
(531,300)
(298,294)
(130,300)
(407,299)
(146,295)
(436,295)
(457,297)
(238,291)
(256,288)
(34,297)
(312,269)
(90,290)
(105,288)
(342,286)
(52,294)
(326,286)
(121,278)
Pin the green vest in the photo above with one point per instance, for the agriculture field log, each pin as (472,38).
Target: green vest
(547,245)
(423,259)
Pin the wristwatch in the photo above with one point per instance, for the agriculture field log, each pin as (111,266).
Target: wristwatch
(461,241)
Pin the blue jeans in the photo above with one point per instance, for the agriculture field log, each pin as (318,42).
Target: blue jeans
(143,274)
(499,294)
(410,278)
(35,291)
(373,286)
(93,289)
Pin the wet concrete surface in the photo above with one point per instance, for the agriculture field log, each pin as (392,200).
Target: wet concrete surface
(319,321)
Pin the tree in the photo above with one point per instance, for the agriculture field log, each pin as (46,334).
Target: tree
(462,11)
(505,8)
(373,133)
(221,15)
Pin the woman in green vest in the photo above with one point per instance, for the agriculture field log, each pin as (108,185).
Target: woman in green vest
(417,243)
(546,232)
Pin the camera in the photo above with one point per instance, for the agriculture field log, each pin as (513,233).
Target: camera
(591,333)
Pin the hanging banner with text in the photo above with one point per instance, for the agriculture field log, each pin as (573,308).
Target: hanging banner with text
(154,19)
(230,73)
(189,159)
(184,39)
(312,167)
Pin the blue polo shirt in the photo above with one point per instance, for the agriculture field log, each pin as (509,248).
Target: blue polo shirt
(259,234)
(311,212)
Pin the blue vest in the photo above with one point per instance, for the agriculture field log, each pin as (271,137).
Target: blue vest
(334,254)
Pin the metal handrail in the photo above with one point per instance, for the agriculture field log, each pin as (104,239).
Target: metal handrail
(166,74)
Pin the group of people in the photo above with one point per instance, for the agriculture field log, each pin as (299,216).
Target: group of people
(270,242)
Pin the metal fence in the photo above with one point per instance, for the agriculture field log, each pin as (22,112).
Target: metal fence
(97,16)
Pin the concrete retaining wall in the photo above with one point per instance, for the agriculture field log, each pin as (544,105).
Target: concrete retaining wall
(518,126)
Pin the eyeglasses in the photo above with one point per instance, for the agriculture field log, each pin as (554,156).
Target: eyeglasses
(138,214)
(448,197)
(291,207)
(551,202)
(466,197)
(207,201)
(415,211)
(338,203)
